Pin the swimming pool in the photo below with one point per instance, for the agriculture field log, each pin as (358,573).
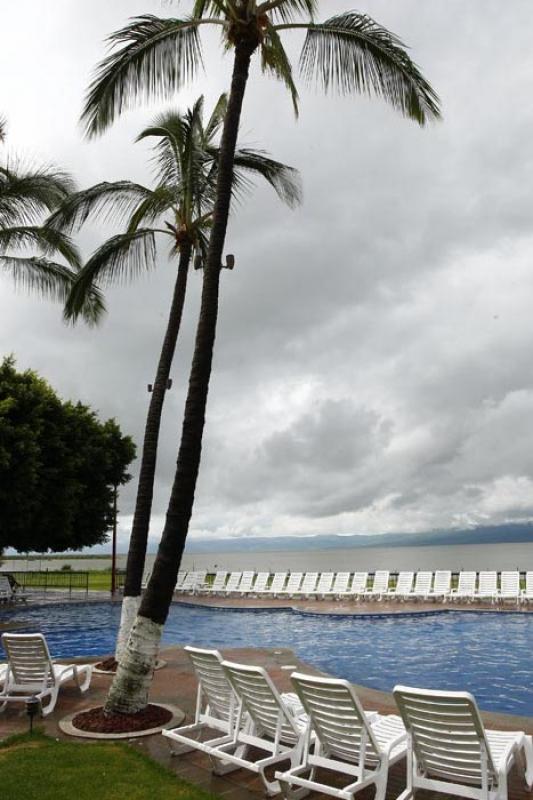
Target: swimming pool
(486,653)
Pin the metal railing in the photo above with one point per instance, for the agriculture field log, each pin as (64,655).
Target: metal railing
(64,580)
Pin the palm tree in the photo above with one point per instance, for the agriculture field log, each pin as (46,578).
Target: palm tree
(2,129)
(180,208)
(153,58)
(26,198)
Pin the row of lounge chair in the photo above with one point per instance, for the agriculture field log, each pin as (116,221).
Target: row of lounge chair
(323,726)
(423,585)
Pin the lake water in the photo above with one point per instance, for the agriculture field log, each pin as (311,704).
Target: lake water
(454,557)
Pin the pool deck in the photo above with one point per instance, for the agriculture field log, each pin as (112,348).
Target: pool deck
(176,684)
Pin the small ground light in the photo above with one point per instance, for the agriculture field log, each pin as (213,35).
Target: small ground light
(33,706)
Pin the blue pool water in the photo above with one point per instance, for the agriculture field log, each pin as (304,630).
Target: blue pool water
(489,654)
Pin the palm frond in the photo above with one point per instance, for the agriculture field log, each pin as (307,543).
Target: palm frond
(216,120)
(215,9)
(285,180)
(287,10)
(156,57)
(25,196)
(161,199)
(3,129)
(108,202)
(352,53)
(170,128)
(48,240)
(51,281)
(274,59)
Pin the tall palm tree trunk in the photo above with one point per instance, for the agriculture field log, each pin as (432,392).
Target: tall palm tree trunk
(130,687)
(145,489)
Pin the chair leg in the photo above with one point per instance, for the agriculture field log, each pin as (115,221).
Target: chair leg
(77,673)
(45,710)
(527,754)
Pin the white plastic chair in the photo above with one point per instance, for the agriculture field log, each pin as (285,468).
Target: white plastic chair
(31,672)
(293,584)
(488,586)
(527,593)
(245,586)
(380,585)
(180,581)
(404,586)
(325,582)
(341,582)
(422,586)
(219,582)
(308,585)
(342,738)
(466,587)
(509,587)
(277,727)
(442,585)
(358,585)
(450,751)
(276,587)
(233,583)
(6,592)
(260,584)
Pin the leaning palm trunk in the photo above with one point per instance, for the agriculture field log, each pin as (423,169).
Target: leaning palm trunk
(145,490)
(130,687)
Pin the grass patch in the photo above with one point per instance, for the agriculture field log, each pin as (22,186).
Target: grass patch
(42,768)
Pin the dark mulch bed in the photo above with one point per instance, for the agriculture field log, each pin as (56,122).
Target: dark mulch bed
(95,721)
(108,665)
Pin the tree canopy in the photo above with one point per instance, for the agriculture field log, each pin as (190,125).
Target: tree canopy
(58,467)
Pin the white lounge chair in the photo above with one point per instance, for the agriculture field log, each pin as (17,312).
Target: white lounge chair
(180,580)
(193,581)
(341,738)
(219,582)
(380,585)
(450,751)
(466,587)
(442,585)
(527,593)
(341,583)
(325,582)
(233,583)
(488,586)
(261,582)
(276,727)
(422,586)
(215,713)
(358,584)
(308,585)
(245,586)
(276,587)
(293,584)
(404,585)
(32,673)
(3,674)
(7,593)
(509,587)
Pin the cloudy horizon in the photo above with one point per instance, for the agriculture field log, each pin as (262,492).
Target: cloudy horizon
(372,367)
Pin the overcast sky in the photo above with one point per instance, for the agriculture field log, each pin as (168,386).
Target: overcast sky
(373,367)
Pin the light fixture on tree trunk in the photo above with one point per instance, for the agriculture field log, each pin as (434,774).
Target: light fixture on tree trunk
(230,261)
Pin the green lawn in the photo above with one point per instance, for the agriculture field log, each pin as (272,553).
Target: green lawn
(42,768)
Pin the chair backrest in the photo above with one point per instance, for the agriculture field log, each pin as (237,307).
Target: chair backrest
(404,583)
(278,581)
(488,583)
(29,660)
(359,582)
(6,591)
(423,582)
(467,583)
(261,699)
(309,582)
(246,581)
(529,583)
(190,581)
(510,584)
(325,582)
(295,579)
(180,579)
(213,684)
(381,581)
(219,580)
(443,582)
(337,717)
(447,733)
(233,581)
(261,581)
(341,582)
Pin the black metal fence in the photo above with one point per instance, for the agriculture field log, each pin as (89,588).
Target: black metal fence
(63,580)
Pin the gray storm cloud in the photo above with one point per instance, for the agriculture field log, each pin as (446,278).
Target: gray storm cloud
(373,360)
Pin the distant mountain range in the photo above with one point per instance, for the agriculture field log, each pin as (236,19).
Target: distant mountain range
(488,534)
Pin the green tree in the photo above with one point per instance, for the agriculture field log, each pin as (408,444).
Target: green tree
(58,467)
(349,53)
(179,209)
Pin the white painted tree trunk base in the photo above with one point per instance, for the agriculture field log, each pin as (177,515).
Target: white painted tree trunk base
(129,691)
(128,613)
